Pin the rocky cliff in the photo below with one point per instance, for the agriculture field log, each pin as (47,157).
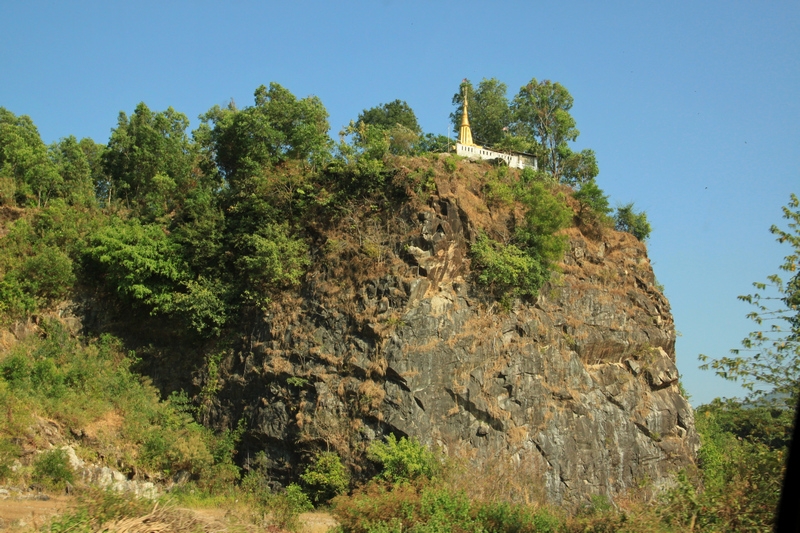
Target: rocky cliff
(573,394)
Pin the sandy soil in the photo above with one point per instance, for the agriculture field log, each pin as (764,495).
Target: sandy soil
(28,512)
(22,512)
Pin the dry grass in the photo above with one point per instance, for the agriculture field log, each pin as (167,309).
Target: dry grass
(373,394)
(167,520)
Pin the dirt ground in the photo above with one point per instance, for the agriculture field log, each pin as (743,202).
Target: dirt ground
(28,512)
(19,513)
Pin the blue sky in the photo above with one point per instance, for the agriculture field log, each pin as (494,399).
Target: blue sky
(693,108)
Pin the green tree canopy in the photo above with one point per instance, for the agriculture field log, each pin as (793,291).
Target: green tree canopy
(769,360)
(27,174)
(389,115)
(279,127)
(149,159)
(628,219)
(75,169)
(489,111)
(541,113)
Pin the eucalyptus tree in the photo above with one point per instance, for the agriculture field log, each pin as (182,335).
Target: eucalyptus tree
(541,113)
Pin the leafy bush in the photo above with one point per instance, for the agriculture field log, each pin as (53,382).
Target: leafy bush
(741,468)
(506,269)
(627,219)
(546,214)
(52,469)
(403,460)
(593,204)
(325,477)
(430,508)
(8,453)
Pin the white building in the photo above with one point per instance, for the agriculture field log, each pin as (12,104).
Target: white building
(467,148)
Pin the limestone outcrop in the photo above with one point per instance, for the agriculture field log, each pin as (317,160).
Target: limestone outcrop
(576,392)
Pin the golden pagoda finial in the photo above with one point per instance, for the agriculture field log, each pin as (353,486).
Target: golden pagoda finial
(465,133)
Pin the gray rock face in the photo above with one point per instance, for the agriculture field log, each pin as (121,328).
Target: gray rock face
(108,478)
(578,388)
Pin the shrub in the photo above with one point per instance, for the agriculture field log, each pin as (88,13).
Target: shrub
(403,460)
(283,509)
(326,477)
(627,219)
(546,214)
(506,269)
(52,469)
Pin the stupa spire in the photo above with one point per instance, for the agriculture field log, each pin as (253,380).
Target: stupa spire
(465,133)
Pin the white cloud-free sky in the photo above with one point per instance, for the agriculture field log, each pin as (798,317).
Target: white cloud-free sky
(693,108)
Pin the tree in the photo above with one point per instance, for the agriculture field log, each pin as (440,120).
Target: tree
(579,167)
(389,115)
(27,173)
(593,203)
(75,169)
(541,113)
(279,127)
(395,123)
(149,159)
(489,111)
(769,360)
(627,219)
(434,143)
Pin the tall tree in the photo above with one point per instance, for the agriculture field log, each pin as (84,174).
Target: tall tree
(395,122)
(75,169)
(149,159)
(27,174)
(489,111)
(389,115)
(277,128)
(769,359)
(541,112)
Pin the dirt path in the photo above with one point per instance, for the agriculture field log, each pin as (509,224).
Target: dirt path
(28,512)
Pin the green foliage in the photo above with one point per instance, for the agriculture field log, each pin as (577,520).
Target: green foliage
(742,464)
(325,477)
(521,267)
(541,113)
(37,257)
(75,168)
(52,469)
(297,382)
(57,377)
(546,213)
(279,127)
(140,262)
(627,219)
(580,168)
(506,269)
(489,111)
(593,203)
(389,115)
(28,176)
(149,160)
(769,360)
(403,460)
(434,508)
(297,499)
(283,509)
(269,260)
(435,144)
